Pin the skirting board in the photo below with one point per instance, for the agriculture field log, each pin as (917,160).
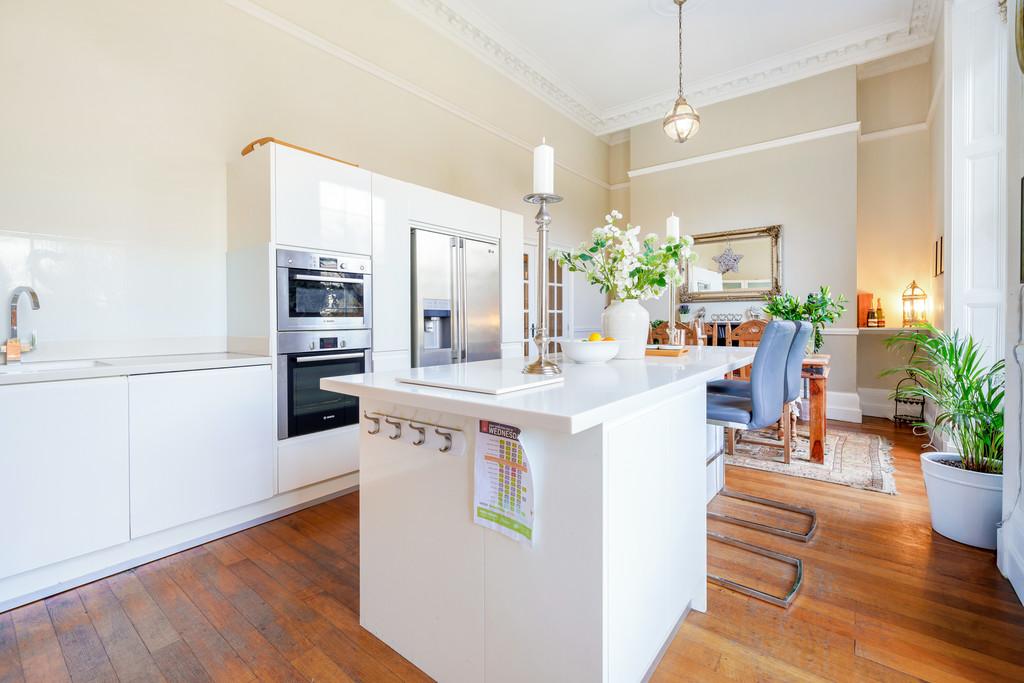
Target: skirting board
(876,402)
(1010,554)
(844,406)
(26,587)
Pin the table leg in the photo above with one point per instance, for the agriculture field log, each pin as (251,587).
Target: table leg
(817,422)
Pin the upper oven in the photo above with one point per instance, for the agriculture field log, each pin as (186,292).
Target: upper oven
(322,291)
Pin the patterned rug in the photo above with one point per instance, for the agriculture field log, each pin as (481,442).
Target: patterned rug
(863,461)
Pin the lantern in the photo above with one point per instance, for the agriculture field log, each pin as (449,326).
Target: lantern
(914,305)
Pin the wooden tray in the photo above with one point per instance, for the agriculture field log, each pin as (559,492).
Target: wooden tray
(672,353)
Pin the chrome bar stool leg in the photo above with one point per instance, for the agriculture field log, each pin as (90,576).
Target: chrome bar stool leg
(781,601)
(767,528)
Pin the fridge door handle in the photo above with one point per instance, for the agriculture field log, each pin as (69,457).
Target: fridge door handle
(456,307)
(464,303)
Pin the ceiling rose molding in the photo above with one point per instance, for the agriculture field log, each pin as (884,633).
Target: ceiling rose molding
(456,20)
(313,40)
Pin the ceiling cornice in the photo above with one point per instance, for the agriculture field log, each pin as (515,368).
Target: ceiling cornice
(457,20)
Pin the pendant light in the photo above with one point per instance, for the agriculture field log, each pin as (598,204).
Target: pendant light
(683,122)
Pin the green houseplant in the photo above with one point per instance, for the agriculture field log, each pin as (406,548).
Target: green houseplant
(964,485)
(819,308)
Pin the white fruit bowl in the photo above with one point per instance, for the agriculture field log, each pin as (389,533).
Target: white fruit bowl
(589,352)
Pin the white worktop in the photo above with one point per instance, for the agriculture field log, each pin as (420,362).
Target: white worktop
(55,371)
(590,394)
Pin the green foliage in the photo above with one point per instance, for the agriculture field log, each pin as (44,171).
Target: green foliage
(967,394)
(819,309)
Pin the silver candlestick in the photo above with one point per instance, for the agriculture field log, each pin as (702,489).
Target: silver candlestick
(542,365)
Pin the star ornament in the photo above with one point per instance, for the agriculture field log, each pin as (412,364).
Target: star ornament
(728,260)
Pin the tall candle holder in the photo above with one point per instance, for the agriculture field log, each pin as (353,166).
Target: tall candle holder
(542,365)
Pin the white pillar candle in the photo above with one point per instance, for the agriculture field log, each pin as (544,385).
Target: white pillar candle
(543,168)
(672,227)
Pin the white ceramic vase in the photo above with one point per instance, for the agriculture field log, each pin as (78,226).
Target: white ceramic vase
(965,506)
(628,322)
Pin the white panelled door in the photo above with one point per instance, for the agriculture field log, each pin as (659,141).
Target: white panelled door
(977,243)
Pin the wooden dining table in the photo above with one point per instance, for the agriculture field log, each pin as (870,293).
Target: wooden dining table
(815,371)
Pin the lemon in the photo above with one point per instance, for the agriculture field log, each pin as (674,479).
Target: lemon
(594,336)
(609,338)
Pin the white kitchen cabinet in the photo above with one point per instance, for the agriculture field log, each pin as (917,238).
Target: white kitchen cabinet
(312,458)
(201,443)
(391,265)
(441,210)
(63,470)
(320,203)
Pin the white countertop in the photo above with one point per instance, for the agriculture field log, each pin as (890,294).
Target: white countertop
(56,371)
(590,394)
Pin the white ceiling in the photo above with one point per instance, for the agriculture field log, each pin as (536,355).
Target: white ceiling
(611,64)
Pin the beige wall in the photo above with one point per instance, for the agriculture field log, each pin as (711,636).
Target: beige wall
(810,188)
(938,136)
(894,228)
(121,116)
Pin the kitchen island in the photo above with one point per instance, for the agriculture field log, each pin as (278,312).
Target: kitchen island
(616,552)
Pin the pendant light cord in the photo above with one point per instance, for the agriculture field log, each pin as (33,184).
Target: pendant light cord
(681,48)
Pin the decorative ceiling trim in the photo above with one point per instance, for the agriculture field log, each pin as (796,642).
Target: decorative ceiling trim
(335,50)
(748,149)
(458,21)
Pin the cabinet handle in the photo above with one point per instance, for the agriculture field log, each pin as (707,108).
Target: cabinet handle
(334,356)
(397,426)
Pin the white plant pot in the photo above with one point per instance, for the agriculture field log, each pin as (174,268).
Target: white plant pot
(965,506)
(628,322)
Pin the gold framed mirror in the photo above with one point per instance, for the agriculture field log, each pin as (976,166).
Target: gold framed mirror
(734,265)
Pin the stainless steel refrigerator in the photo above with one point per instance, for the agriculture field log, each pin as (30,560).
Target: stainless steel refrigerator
(456,315)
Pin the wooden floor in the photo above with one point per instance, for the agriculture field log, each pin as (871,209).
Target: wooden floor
(884,599)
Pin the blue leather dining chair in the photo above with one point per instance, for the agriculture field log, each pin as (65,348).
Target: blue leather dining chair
(793,386)
(759,407)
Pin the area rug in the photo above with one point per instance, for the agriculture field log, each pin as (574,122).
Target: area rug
(863,461)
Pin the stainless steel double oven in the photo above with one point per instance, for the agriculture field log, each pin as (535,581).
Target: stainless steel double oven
(323,320)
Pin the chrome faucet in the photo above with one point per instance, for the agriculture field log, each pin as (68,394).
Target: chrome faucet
(13,349)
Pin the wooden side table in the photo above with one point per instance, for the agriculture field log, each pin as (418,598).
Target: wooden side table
(815,371)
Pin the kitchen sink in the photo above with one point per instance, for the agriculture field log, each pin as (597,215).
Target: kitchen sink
(50,366)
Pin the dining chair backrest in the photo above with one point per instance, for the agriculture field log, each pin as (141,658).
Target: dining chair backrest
(768,373)
(795,362)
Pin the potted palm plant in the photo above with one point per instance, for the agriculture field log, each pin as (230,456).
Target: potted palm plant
(965,484)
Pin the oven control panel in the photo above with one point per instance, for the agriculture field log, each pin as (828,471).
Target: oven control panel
(338,263)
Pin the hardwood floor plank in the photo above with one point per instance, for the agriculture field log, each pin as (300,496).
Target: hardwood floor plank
(149,621)
(257,652)
(316,666)
(128,654)
(294,581)
(221,662)
(84,654)
(178,664)
(347,622)
(10,660)
(224,551)
(288,639)
(38,647)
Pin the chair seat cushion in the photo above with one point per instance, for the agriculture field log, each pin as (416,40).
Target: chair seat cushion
(732,387)
(725,408)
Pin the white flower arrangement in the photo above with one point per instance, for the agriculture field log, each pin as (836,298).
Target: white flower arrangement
(620,262)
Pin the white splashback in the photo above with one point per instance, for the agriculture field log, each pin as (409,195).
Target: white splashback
(115,298)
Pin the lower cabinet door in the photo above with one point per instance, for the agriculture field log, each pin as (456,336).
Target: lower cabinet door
(308,459)
(202,443)
(63,470)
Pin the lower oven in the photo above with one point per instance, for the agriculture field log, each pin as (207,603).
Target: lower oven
(304,358)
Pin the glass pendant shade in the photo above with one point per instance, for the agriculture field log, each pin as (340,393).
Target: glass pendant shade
(682,122)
